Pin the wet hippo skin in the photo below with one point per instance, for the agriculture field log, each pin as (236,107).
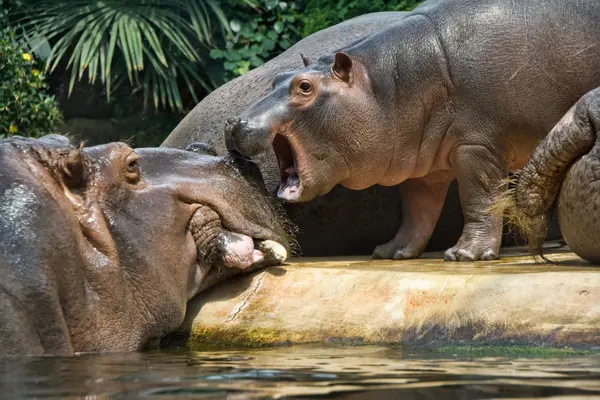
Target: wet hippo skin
(102,247)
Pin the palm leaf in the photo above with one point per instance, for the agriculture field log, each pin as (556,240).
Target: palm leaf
(155,42)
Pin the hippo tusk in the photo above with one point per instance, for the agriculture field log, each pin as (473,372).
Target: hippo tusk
(273,250)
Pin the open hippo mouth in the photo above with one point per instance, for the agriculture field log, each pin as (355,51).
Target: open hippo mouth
(218,245)
(290,185)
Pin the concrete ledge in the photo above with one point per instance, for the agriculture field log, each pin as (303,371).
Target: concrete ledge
(425,301)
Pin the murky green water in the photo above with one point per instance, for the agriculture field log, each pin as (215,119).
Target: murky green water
(336,372)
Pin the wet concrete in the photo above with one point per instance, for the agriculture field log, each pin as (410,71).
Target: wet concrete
(513,300)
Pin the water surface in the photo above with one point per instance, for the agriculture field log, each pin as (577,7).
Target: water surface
(337,372)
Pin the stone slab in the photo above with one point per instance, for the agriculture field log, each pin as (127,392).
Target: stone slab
(423,301)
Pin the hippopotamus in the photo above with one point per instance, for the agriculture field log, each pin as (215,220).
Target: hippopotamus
(564,168)
(102,247)
(461,89)
(343,221)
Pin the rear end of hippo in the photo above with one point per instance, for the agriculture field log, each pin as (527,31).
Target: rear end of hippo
(564,170)
(102,247)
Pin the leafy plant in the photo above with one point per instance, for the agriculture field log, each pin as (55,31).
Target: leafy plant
(258,31)
(155,45)
(321,14)
(25,107)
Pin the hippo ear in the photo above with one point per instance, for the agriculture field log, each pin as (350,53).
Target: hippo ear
(73,168)
(201,148)
(305,60)
(342,66)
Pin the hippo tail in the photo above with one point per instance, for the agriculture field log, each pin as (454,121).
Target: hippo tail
(533,191)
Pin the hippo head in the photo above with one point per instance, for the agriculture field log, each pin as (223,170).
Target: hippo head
(322,122)
(129,235)
(219,204)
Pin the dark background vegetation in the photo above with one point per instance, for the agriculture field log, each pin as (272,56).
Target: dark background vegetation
(107,70)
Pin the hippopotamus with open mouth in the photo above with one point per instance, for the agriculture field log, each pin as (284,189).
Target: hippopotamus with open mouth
(102,247)
(564,168)
(461,89)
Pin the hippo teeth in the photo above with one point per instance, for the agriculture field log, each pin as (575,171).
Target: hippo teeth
(272,250)
(289,189)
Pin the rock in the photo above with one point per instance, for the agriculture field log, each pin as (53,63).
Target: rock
(357,300)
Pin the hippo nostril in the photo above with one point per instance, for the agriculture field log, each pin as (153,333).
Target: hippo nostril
(235,124)
(237,155)
(231,121)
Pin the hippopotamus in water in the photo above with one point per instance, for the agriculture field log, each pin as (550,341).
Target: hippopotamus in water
(564,168)
(461,89)
(102,247)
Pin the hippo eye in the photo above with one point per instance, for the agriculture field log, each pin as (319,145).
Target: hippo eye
(132,169)
(305,86)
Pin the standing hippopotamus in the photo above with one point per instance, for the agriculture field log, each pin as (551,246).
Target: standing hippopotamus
(565,167)
(344,221)
(101,247)
(457,89)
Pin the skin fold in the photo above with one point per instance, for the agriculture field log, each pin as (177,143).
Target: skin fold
(459,90)
(103,246)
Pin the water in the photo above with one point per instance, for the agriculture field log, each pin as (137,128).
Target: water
(336,372)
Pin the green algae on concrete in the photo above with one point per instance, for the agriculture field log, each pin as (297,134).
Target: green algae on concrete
(504,352)
(512,301)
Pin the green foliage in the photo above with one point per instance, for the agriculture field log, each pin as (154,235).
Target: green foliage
(321,14)
(25,107)
(155,45)
(258,32)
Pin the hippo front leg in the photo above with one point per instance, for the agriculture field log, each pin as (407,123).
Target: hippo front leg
(480,174)
(422,202)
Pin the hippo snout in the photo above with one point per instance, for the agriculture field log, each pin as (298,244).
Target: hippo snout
(245,138)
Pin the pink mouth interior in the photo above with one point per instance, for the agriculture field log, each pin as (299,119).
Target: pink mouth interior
(239,251)
(289,186)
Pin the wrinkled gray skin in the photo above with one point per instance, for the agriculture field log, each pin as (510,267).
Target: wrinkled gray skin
(459,89)
(565,167)
(101,247)
(343,221)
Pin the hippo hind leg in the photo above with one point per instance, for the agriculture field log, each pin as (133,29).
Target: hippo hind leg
(422,202)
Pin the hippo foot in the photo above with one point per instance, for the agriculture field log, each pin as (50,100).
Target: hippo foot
(391,251)
(464,253)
